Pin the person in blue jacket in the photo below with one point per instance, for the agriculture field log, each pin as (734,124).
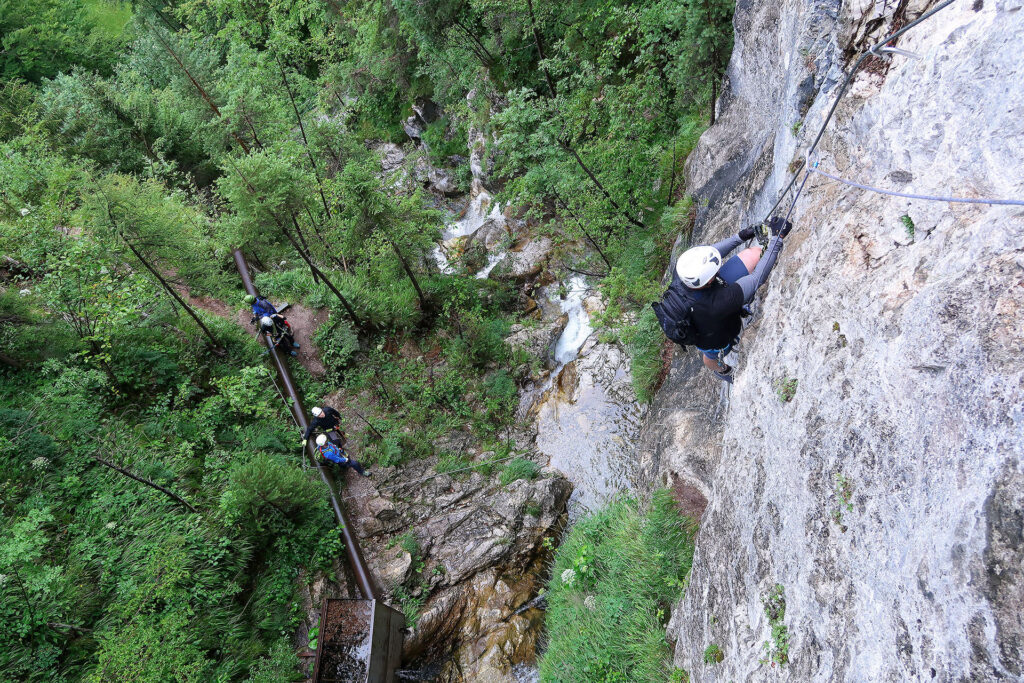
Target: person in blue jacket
(260,306)
(331,452)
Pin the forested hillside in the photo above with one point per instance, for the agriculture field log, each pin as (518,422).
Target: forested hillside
(157,520)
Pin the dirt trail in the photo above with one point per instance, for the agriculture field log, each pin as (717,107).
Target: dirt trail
(304,324)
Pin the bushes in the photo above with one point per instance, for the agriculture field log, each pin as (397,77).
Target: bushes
(645,340)
(267,485)
(338,345)
(613,581)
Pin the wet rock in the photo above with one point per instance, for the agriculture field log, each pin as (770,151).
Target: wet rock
(391,156)
(396,571)
(436,179)
(413,127)
(492,233)
(478,561)
(1003,559)
(525,261)
(538,339)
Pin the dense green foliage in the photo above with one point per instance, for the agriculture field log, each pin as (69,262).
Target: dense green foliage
(141,142)
(613,581)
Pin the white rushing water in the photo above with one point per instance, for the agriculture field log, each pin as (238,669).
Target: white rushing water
(578,328)
(479,210)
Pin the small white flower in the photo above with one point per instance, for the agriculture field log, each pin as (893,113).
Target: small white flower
(24,292)
(568,576)
(25,212)
(40,463)
(590,602)
(111,525)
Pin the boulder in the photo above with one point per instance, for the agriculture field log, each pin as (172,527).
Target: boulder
(525,261)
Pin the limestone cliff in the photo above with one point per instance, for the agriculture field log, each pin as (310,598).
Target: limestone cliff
(885,498)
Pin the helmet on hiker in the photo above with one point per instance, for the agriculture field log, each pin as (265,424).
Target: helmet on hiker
(250,299)
(698,266)
(321,440)
(317,411)
(266,322)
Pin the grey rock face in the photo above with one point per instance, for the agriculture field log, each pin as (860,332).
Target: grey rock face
(886,496)
(479,560)
(524,261)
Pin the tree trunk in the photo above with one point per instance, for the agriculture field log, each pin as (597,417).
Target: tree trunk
(540,47)
(202,92)
(170,290)
(305,247)
(147,482)
(412,277)
(312,267)
(488,58)
(597,182)
(592,240)
(305,140)
(7,360)
(316,271)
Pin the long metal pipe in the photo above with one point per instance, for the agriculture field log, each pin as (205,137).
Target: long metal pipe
(355,554)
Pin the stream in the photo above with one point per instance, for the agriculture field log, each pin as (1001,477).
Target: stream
(588,418)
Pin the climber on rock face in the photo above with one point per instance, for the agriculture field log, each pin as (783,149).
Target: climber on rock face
(706,302)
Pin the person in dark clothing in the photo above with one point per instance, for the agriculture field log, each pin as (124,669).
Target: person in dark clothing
(720,291)
(332,452)
(328,420)
(280,332)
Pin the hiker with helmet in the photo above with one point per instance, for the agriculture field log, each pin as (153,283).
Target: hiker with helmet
(272,323)
(328,420)
(332,452)
(706,302)
(277,329)
(260,306)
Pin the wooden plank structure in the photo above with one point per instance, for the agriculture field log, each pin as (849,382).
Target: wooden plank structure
(360,642)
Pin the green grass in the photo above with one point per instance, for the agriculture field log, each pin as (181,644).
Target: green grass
(785,388)
(775,610)
(908,225)
(645,340)
(613,581)
(109,16)
(713,654)
(519,468)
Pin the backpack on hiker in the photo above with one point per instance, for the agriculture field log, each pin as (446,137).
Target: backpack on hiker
(674,312)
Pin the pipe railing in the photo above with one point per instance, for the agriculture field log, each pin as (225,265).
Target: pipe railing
(355,554)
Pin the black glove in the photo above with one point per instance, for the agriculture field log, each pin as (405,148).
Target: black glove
(747,234)
(779,226)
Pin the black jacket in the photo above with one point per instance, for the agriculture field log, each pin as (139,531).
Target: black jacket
(330,420)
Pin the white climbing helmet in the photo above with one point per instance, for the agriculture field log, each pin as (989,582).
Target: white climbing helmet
(266,322)
(698,266)
(321,440)
(317,411)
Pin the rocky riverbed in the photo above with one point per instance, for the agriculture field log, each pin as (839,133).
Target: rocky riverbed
(465,555)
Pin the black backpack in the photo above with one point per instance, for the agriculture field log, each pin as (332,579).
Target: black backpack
(675,313)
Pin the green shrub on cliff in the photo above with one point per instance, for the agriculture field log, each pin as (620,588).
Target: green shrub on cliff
(613,581)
